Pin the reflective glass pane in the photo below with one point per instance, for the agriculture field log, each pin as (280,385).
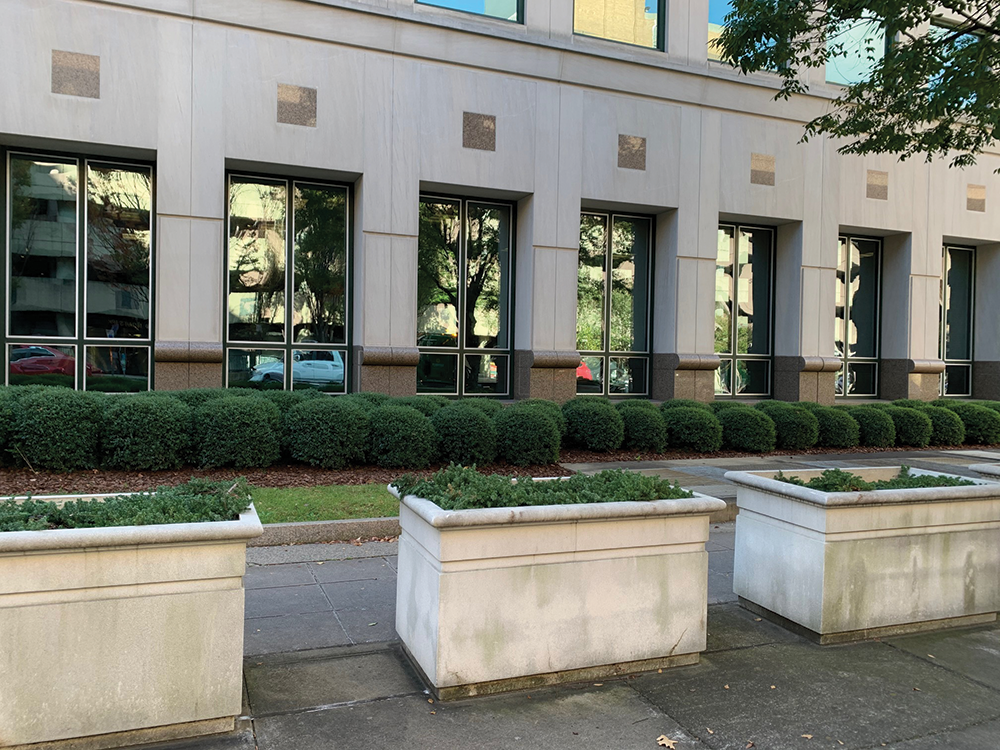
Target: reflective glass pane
(31,364)
(753,292)
(724,292)
(840,296)
(958,380)
(627,374)
(261,368)
(487,252)
(862,379)
(838,389)
(257,261)
(117,369)
(863,280)
(717,12)
(485,373)
(119,239)
(753,377)
(630,240)
(437,373)
(724,378)
(958,298)
(319,267)
(437,273)
(590,375)
(43,239)
(590,282)
(632,22)
(319,368)
(855,47)
(503,9)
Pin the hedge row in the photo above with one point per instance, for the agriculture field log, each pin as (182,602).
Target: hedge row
(60,429)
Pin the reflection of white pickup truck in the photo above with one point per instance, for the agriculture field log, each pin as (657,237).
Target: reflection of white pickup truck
(313,367)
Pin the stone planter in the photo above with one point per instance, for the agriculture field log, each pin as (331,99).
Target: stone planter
(847,566)
(121,635)
(499,599)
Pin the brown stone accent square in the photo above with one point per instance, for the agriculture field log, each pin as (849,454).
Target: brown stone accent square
(975,198)
(75,74)
(632,152)
(877,185)
(296,105)
(479,131)
(762,169)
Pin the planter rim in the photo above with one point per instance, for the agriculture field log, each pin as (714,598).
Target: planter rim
(988,470)
(434,515)
(247,527)
(762,480)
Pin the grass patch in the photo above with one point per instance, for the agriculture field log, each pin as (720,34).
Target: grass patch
(324,503)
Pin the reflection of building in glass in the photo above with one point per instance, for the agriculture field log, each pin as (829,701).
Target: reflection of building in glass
(629,21)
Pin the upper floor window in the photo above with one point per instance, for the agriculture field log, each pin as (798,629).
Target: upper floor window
(463,297)
(612,313)
(957,276)
(638,22)
(854,49)
(287,272)
(856,337)
(743,310)
(506,10)
(79,259)
(717,12)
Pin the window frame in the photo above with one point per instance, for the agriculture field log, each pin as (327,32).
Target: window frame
(290,346)
(473,14)
(661,30)
(845,358)
(80,342)
(942,323)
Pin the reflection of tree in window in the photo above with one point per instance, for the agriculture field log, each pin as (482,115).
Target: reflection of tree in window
(320,265)
(437,274)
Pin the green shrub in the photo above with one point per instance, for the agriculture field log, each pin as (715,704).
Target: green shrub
(358,400)
(426,405)
(994,405)
(746,429)
(466,436)
(838,480)
(876,427)
(198,397)
(327,432)
(8,404)
(684,403)
(721,406)
(549,408)
(636,403)
(526,437)
(240,432)
(593,424)
(58,429)
(146,433)
(947,427)
(982,425)
(692,428)
(372,397)
(837,428)
(645,429)
(285,400)
(909,403)
(400,437)
(913,427)
(489,406)
(796,427)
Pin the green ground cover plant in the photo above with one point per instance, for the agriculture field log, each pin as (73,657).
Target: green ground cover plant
(838,480)
(460,488)
(323,503)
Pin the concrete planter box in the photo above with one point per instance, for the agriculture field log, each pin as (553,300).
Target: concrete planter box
(121,635)
(499,599)
(846,566)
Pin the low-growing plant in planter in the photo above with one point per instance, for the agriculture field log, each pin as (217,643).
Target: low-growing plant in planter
(122,615)
(504,585)
(848,555)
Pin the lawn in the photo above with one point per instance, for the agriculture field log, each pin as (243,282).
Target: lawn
(324,503)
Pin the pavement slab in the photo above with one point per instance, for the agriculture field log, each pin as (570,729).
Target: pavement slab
(973,653)
(268,635)
(732,627)
(286,600)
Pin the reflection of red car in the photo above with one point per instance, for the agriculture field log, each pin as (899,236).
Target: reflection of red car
(583,372)
(36,360)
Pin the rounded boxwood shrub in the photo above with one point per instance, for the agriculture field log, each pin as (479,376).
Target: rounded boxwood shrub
(877,428)
(327,432)
(526,437)
(593,424)
(837,428)
(746,429)
(240,432)
(692,428)
(721,406)
(285,400)
(946,426)
(994,405)
(489,406)
(913,427)
(982,425)
(8,401)
(372,397)
(684,403)
(549,408)
(909,403)
(57,428)
(466,435)
(644,429)
(636,403)
(146,433)
(198,397)
(796,427)
(426,405)
(400,437)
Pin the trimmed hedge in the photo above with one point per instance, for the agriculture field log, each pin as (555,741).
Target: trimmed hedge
(913,427)
(946,426)
(982,425)
(466,435)
(593,424)
(146,433)
(549,408)
(684,403)
(746,429)
(376,399)
(327,432)
(285,400)
(198,397)
(636,403)
(796,428)
(692,428)
(58,429)
(489,406)
(837,428)
(526,437)
(645,429)
(720,406)
(401,437)
(426,405)
(877,427)
(240,432)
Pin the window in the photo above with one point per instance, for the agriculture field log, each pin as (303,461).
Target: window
(857,316)
(956,320)
(861,45)
(612,314)
(637,22)
(743,307)
(717,12)
(79,254)
(507,10)
(287,269)
(463,297)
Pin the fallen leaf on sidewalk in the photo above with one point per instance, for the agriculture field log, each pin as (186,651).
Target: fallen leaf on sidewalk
(917,689)
(772,687)
(726,687)
(709,730)
(807,736)
(320,562)
(932,656)
(372,624)
(664,741)
(750,744)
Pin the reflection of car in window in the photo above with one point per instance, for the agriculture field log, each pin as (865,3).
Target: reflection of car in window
(32,360)
(312,367)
